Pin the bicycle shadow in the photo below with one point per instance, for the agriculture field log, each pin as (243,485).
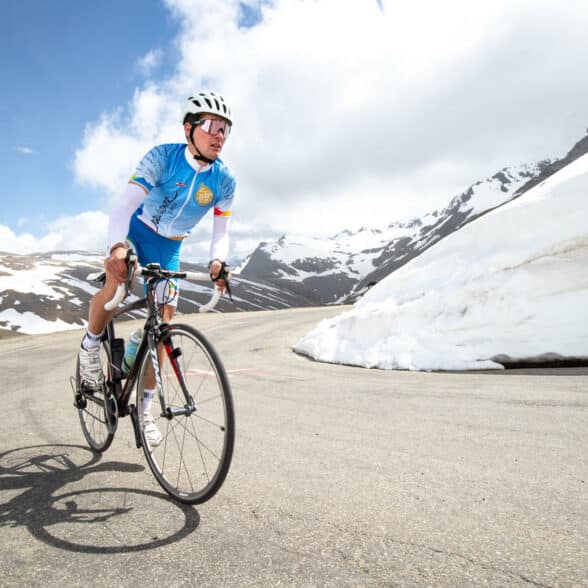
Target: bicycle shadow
(41,471)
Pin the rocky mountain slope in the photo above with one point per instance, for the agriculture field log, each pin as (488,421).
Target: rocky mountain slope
(50,292)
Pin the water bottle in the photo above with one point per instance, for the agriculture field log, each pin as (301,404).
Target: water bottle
(131,350)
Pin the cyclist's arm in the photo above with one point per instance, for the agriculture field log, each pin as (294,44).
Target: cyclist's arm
(219,245)
(118,229)
(120,215)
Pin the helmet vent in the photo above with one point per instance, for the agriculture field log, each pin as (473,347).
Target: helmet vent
(206,102)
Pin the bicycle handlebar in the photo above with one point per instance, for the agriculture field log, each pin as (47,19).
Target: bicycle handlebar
(123,289)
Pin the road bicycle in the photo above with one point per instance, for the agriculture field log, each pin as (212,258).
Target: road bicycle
(193,406)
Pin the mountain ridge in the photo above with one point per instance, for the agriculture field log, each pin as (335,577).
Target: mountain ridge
(345,273)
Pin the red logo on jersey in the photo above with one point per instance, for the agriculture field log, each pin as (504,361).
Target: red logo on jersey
(181,184)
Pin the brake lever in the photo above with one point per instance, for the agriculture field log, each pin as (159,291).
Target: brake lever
(224,275)
(228,289)
(124,288)
(131,261)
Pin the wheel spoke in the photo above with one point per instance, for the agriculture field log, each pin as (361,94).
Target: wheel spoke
(193,457)
(202,458)
(93,416)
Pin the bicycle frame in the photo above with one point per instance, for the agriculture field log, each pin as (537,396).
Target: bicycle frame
(155,331)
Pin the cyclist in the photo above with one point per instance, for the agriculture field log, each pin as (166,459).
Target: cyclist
(172,189)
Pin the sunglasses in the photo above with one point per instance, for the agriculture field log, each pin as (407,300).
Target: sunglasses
(213,126)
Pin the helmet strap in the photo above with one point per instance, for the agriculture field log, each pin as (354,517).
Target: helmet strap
(198,156)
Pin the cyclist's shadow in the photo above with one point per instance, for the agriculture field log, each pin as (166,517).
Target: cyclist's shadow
(42,470)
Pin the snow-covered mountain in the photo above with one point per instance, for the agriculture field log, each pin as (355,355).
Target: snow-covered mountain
(509,288)
(341,268)
(49,292)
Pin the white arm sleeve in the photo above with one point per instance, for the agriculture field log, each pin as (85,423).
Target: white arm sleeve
(120,215)
(219,246)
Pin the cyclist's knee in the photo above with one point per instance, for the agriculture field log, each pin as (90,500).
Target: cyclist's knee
(168,312)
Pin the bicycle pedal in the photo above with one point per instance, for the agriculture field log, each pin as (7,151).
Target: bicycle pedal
(79,400)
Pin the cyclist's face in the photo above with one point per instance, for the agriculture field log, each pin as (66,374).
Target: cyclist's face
(210,145)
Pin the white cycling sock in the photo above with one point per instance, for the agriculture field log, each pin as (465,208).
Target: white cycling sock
(90,341)
(147,400)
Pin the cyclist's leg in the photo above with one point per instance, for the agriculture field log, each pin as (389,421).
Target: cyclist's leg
(153,248)
(89,361)
(168,311)
(98,316)
(150,388)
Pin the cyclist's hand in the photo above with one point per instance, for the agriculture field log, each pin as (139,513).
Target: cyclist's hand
(115,265)
(215,268)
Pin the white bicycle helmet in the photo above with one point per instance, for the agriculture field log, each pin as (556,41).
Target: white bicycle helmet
(207,103)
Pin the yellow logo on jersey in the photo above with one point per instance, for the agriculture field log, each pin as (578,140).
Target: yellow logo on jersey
(204,195)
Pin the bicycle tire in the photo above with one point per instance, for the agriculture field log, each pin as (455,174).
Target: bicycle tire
(194,456)
(91,408)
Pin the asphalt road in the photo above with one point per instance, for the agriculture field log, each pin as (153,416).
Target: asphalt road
(341,476)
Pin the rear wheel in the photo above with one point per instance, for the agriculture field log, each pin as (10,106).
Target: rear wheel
(194,455)
(96,420)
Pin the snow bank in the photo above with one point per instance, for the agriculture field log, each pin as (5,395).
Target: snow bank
(512,284)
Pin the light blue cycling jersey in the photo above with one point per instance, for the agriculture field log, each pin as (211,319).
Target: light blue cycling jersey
(177,195)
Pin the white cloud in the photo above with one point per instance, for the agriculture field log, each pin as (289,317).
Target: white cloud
(150,61)
(347,114)
(85,232)
(25,150)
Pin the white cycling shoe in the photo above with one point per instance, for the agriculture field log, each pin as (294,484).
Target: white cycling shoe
(152,433)
(91,374)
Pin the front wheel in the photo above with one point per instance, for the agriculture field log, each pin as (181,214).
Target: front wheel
(190,457)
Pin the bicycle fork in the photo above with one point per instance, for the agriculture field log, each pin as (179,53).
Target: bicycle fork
(172,354)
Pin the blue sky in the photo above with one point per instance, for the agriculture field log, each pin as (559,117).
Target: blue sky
(347,114)
(63,64)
